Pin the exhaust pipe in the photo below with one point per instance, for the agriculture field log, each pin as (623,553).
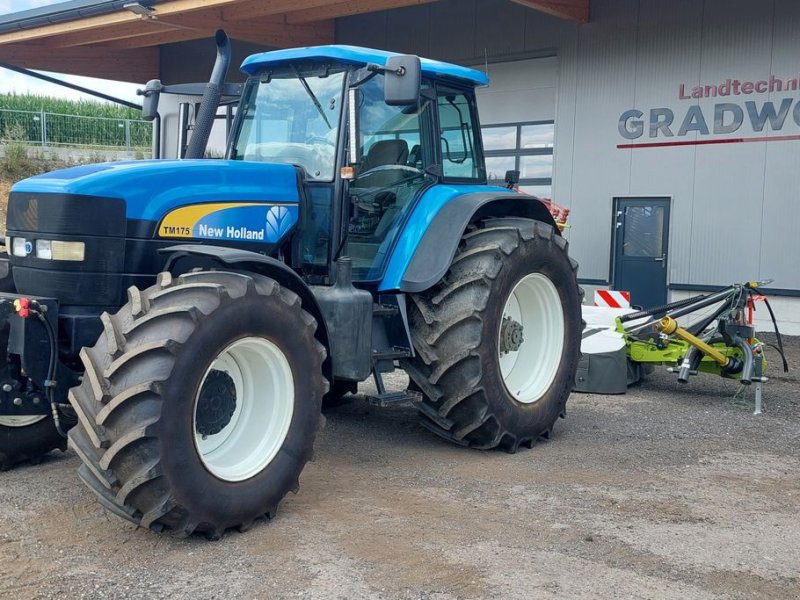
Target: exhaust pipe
(204,120)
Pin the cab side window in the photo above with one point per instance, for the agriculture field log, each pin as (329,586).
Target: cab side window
(460,153)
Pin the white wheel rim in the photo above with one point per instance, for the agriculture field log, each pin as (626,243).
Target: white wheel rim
(21,421)
(530,369)
(260,422)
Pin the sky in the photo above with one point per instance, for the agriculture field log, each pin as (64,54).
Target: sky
(15,82)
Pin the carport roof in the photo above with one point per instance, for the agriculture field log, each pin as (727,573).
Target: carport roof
(120,39)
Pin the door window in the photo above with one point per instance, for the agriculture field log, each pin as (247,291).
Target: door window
(394,151)
(461,158)
(644,231)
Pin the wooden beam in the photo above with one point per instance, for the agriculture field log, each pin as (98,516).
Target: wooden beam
(132,65)
(107,34)
(266,33)
(164,36)
(166,9)
(250,9)
(346,9)
(573,10)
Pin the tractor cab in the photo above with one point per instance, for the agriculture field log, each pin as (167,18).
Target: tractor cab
(370,131)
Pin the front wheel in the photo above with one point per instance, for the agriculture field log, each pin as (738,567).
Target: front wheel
(200,403)
(498,339)
(28,438)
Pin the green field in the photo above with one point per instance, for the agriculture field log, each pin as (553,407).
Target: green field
(71,123)
(85,108)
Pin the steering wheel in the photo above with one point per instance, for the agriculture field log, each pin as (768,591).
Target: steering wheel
(318,139)
(413,172)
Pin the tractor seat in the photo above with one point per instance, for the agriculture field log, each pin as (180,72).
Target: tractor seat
(385,152)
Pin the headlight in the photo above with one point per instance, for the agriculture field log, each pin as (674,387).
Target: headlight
(68,250)
(57,250)
(43,249)
(21,247)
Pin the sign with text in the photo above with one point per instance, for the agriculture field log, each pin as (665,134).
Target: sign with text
(733,113)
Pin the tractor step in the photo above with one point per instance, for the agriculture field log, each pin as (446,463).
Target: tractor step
(385,398)
(393,354)
(394,398)
(385,310)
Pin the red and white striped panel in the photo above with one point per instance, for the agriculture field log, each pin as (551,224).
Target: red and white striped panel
(612,299)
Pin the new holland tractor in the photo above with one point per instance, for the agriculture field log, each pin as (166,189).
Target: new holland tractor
(183,320)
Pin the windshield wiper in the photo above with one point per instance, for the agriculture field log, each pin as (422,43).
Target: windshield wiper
(312,96)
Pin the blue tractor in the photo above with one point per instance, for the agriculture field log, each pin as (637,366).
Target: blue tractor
(185,320)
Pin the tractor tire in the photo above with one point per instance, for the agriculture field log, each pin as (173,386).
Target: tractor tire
(23,438)
(498,339)
(29,439)
(339,394)
(200,403)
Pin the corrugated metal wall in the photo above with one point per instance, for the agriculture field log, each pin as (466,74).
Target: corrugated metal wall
(734,205)
(735,212)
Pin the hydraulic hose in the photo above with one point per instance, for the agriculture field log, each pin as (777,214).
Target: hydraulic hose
(207,113)
(50,382)
(660,309)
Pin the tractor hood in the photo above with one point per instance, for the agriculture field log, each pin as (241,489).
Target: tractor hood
(153,188)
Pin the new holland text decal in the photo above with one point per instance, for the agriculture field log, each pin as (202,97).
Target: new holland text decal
(235,222)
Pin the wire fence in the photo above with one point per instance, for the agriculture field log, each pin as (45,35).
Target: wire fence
(53,129)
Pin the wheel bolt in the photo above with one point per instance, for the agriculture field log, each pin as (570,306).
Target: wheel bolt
(17,401)
(7,387)
(36,400)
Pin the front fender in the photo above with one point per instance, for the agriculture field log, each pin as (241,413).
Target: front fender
(430,238)
(184,257)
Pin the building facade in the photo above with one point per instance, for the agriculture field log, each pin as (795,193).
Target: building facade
(670,128)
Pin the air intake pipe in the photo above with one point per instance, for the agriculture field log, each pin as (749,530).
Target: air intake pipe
(207,112)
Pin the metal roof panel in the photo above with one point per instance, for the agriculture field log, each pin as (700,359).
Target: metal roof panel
(357,56)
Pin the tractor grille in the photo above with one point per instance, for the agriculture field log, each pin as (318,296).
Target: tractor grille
(97,222)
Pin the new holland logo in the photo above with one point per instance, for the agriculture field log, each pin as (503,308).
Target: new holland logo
(231,222)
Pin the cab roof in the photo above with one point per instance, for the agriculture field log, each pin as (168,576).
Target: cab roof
(355,55)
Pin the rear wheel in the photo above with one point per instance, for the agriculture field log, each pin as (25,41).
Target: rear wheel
(200,403)
(498,339)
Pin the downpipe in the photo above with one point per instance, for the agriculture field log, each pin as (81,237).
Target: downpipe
(207,112)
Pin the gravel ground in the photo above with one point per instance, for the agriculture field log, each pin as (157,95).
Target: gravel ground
(666,492)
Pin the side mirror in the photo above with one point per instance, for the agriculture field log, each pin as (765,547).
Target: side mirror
(403,80)
(512,179)
(151,93)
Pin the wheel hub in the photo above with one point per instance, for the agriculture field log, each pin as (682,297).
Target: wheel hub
(216,403)
(511,335)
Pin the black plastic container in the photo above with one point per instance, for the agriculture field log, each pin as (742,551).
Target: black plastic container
(348,315)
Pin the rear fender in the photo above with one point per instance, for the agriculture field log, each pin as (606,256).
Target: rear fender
(183,258)
(419,267)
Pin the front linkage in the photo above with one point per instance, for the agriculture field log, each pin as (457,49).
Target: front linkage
(34,412)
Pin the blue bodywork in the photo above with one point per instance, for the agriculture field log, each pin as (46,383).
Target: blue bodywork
(152,188)
(423,213)
(163,191)
(355,55)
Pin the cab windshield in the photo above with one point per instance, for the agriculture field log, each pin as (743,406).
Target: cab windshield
(292,117)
